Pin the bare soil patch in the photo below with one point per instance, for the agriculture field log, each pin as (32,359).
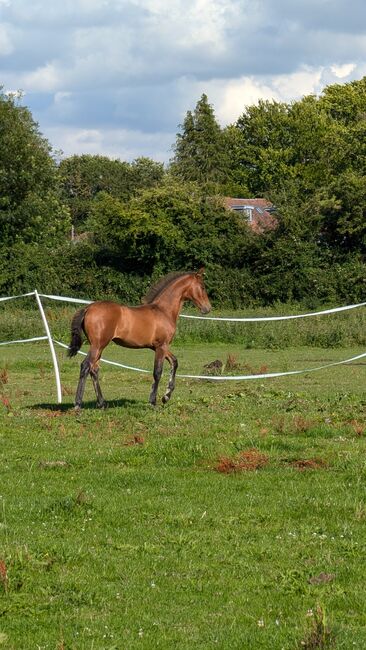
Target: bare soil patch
(303,464)
(246,461)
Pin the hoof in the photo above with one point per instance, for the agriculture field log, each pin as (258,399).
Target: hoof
(77,408)
(102,405)
(165,399)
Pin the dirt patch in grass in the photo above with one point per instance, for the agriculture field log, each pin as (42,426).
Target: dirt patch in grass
(301,424)
(134,440)
(232,365)
(52,414)
(3,575)
(358,427)
(5,401)
(4,376)
(321,579)
(246,461)
(303,464)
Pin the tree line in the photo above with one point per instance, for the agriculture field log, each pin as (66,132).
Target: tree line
(89,225)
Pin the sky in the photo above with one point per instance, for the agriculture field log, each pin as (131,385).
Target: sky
(116,77)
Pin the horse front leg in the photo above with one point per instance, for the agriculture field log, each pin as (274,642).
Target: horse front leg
(158,369)
(173,369)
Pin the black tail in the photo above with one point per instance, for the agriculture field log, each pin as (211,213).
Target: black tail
(76,328)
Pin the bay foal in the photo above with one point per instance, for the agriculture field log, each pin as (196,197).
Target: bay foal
(149,325)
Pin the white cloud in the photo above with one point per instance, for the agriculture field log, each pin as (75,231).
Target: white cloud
(239,93)
(117,76)
(44,79)
(302,82)
(6,44)
(230,96)
(189,23)
(343,70)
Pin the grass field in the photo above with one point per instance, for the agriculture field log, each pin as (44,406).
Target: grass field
(232,518)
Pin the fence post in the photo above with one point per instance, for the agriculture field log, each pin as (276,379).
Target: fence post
(53,353)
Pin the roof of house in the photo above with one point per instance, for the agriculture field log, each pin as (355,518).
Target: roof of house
(262,217)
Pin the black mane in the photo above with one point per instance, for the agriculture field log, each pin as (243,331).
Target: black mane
(161,284)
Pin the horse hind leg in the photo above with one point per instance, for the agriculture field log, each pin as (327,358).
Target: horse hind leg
(89,366)
(95,354)
(173,369)
(84,371)
(158,369)
(94,373)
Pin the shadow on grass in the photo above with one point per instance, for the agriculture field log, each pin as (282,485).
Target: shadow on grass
(90,405)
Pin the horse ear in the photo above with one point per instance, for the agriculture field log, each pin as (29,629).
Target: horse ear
(201,271)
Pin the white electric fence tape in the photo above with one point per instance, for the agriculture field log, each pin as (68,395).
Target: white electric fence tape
(210,318)
(112,363)
(23,295)
(65,299)
(36,338)
(274,318)
(266,375)
(253,319)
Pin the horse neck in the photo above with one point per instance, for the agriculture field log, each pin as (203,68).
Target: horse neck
(171,299)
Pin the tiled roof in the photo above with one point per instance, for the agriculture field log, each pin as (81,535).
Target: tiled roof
(262,217)
(254,203)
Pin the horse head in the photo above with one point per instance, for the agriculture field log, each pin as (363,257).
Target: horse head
(196,292)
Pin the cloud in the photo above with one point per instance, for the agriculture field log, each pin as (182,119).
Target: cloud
(6,45)
(44,79)
(344,70)
(131,68)
(326,16)
(230,96)
(123,144)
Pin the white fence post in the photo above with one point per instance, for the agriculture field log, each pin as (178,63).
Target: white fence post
(53,353)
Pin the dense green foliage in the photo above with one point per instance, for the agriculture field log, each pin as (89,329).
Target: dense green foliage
(135,221)
(83,177)
(30,205)
(172,226)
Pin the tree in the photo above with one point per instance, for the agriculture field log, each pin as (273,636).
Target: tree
(30,203)
(146,173)
(83,177)
(264,150)
(236,182)
(199,151)
(345,103)
(172,226)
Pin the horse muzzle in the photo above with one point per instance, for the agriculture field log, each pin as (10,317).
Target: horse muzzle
(206,309)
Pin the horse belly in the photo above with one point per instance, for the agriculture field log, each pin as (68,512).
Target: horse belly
(135,330)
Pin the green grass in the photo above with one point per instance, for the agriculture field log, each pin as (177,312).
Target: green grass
(117,531)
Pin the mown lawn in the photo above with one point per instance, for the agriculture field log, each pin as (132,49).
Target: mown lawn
(118,531)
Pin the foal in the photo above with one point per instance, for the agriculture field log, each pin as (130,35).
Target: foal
(150,325)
